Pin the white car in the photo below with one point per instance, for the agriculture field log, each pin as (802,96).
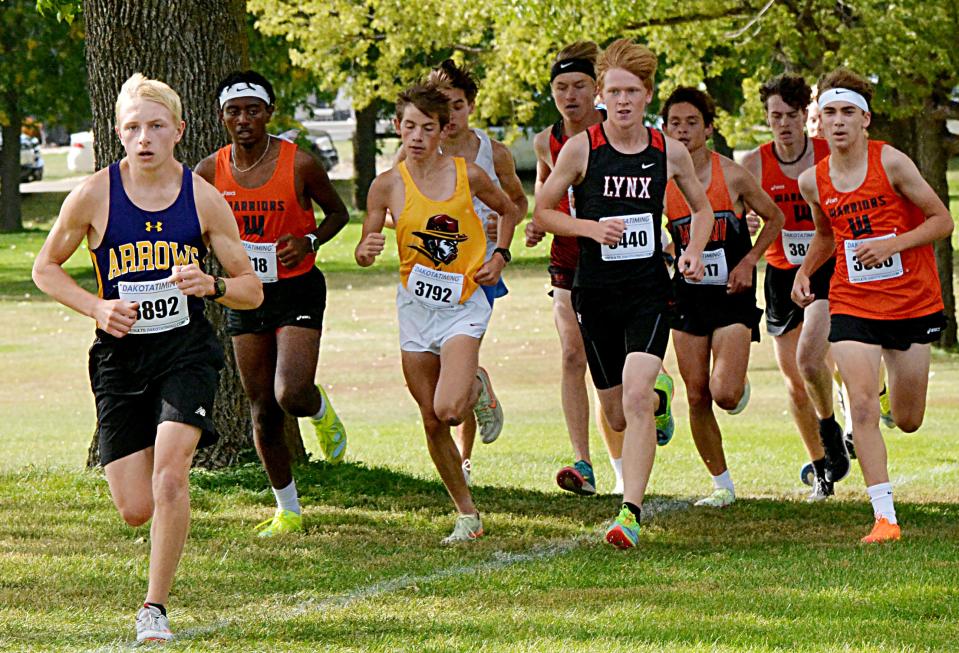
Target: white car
(80,157)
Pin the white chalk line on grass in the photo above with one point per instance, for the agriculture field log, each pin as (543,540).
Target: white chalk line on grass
(932,472)
(500,560)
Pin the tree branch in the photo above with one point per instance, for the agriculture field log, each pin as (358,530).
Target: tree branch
(951,144)
(468,49)
(683,19)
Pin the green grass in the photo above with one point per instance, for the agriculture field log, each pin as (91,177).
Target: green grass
(55,166)
(770,573)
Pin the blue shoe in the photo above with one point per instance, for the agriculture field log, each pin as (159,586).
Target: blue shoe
(577,478)
(623,533)
(665,425)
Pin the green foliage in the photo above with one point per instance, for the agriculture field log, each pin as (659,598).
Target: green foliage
(42,63)
(292,84)
(379,46)
(64,10)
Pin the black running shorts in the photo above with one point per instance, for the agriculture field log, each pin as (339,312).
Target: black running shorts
(888,334)
(140,381)
(298,301)
(700,310)
(616,322)
(782,313)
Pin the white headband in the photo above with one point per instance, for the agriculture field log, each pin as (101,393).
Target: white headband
(244,89)
(843,95)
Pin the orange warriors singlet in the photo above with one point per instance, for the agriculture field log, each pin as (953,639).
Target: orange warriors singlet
(729,240)
(902,287)
(798,230)
(442,244)
(264,214)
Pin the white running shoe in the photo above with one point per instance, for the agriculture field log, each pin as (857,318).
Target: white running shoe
(467,472)
(743,401)
(489,413)
(720,498)
(467,529)
(152,625)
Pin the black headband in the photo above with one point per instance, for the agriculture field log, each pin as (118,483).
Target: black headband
(572,66)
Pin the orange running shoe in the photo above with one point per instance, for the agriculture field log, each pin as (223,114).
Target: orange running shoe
(883,531)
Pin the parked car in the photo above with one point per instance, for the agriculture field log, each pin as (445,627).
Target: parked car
(31,163)
(319,143)
(324,149)
(80,157)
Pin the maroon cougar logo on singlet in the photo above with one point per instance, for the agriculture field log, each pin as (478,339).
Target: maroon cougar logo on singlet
(441,239)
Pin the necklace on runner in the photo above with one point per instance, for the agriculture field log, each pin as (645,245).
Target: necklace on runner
(805,146)
(265,150)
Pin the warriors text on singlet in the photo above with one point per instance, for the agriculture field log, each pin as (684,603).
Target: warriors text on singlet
(134,259)
(630,187)
(265,213)
(729,241)
(441,243)
(904,286)
(789,248)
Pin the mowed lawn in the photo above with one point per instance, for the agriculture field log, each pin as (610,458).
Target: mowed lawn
(770,573)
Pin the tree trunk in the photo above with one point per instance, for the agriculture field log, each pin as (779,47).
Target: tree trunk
(932,159)
(11,218)
(922,138)
(364,154)
(191,46)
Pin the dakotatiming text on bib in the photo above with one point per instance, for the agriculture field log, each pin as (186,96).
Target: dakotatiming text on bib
(263,259)
(637,240)
(162,306)
(716,271)
(859,273)
(435,288)
(796,244)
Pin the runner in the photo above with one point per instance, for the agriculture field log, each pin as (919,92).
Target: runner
(619,169)
(799,336)
(495,159)
(154,363)
(573,86)
(878,217)
(442,249)
(716,317)
(271,186)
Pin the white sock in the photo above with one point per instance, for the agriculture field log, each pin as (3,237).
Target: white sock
(881,497)
(322,411)
(617,464)
(724,480)
(286,498)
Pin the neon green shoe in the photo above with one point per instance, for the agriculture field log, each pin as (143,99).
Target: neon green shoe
(664,415)
(623,533)
(885,409)
(720,498)
(284,521)
(330,431)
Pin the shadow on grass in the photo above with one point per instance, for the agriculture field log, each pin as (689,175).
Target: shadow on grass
(355,485)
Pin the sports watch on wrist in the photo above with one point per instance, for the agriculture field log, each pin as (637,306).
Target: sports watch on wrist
(502,251)
(219,288)
(314,242)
